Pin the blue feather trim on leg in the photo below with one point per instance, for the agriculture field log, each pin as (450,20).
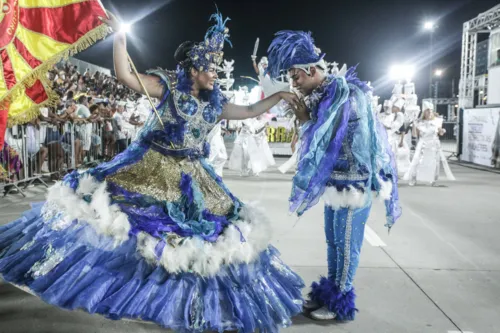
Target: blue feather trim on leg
(328,294)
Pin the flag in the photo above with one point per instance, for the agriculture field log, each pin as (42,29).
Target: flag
(34,36)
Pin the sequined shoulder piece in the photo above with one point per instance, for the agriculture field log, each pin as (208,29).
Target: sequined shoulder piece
(169,77)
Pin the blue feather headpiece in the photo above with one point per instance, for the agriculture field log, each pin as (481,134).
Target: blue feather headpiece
(292,49)
(210,50)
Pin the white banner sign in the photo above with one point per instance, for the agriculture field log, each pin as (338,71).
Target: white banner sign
(479,130)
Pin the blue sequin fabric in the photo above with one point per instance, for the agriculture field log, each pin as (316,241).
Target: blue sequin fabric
(155,235)
(344,147)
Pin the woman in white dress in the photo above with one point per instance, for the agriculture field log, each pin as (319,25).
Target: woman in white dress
(393,123)
(218,153)
(246,157)
(428,157)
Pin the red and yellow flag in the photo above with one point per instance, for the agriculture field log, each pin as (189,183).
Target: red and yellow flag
(34,36)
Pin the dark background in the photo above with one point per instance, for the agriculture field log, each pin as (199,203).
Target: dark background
(375,34)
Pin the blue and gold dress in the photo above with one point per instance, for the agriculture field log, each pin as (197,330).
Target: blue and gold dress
(155,235)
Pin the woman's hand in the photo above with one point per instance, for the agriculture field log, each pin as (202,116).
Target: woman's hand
(111,21)
(290,98)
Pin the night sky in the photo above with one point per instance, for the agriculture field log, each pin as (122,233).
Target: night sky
(375,34)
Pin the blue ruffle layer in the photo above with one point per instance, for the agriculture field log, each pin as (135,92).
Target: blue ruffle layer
(119,283)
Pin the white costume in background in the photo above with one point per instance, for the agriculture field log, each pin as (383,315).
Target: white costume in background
(409,88)
(393,122)
(425,166)
(262,143)
(270,87)
(386,111)
(397,92)
(218,153)
(293,160)
(412,110)
(247,156)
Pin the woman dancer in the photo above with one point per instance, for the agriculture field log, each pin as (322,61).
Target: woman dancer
(428,154)
(155,234)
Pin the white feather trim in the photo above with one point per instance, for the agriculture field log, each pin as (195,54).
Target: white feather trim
(205,258)
(354,198)
(106,219)
(385,189)
(87,185)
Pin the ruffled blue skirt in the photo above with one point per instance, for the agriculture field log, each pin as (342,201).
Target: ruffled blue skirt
(76,268)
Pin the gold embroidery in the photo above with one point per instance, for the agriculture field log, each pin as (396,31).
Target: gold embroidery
(159,176)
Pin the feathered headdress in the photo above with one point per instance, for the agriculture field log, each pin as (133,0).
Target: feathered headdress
(293,49)
(210,50)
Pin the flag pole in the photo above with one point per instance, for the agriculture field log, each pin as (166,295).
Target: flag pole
(144,88)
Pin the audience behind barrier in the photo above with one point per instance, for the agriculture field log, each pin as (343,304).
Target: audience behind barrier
(96,118)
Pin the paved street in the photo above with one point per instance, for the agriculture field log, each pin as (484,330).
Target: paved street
(438,271)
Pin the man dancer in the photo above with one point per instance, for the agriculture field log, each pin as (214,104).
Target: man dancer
(343,156)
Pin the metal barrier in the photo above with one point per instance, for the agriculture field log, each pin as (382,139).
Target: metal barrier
(88,145)
(22,158)
(46,151)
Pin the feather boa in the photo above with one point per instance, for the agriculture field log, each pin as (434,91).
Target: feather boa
(241,242)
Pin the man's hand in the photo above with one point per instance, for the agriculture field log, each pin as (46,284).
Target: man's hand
(298,106)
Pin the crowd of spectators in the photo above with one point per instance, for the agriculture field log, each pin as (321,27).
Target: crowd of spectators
(95,119)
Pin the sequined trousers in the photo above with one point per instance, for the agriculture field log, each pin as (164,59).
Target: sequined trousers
(344,231)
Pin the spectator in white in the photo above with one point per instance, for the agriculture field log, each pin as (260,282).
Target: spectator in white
(128,120)
(121,134)
(87,73)
(85,129)
(135,122)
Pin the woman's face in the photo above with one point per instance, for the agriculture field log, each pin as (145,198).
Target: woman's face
(71,108)
(427,114)
(205,80)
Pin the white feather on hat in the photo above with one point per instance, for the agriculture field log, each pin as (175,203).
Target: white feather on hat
(342,71)
(426,105)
